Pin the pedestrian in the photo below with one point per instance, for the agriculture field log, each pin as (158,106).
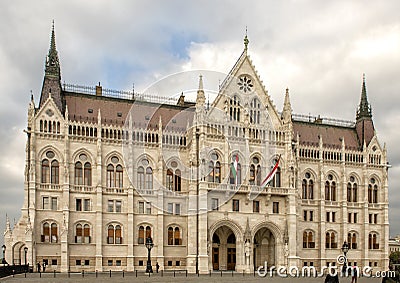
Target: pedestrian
(44,267)
(38,267)
(354,274)
(157,267)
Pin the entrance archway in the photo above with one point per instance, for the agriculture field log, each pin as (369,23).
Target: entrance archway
(264,248)
(18,253)
(224,249)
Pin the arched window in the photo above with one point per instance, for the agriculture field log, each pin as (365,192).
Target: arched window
(115,173)
(352,193)
(372,191)
(141,235)
(276,180)
(214,169)
(149,178)
(78,233)
(46,232)
(86,233)
(114,234)
(140,179)
(308,240)
(234,109)
(307,187)
(373,243)
(54,172)
(87,172)
(78,173)
(235,172)
(330,189)
(330,240)
(255,172)
(53,236)
(352,240)
(174,236)
(255,112)
(148,232)
(45,171)
(173,181)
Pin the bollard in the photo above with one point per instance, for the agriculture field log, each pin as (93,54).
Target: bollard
(40,274)
(123,273)
(210,273)
(54,273)
(174,273)
(198,273)
(136,272)
(69,275)
(243,272)
(25,274)
(13,273)
(162,272)
(149,274)
(221,273)
(83,273)
(232,273)
(96,273)
(186,272)
(254,272)
(110,272)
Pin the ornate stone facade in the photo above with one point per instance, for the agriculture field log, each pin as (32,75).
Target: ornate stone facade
(104,173)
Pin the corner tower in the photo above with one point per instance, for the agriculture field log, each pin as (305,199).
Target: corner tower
(52,76)
(364,124)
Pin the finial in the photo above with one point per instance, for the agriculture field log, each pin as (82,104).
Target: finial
(201,82)
(31,96)
(246,41)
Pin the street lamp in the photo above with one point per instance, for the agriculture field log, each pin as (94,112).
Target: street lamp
(149,246)
(26,252)
(345,249)
(3,248)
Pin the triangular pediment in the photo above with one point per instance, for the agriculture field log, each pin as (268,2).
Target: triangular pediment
(244,86)
(50,113)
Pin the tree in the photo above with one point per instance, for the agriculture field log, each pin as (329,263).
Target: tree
(394,257)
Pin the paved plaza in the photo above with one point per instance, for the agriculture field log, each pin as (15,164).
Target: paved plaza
(166,277)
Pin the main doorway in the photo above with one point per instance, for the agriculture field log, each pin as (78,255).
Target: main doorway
(264,248)
(223,249)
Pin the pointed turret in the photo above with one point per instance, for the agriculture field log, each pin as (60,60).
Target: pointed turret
(364,124)
(287,109)
(364,109)
(52,75)
(201,98)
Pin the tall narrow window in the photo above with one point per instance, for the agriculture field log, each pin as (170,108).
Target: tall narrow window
(79,233)
(54,233)
(214,169)
(330,189)
(54,172)
(119,176)
(170,178)
(45,171)
(149,178)
(86,233)
(110,234)
(140,180)
(88,174)
(141,235)
(307,187)
(110,176)
(170,236)
(78,173)
(177,236)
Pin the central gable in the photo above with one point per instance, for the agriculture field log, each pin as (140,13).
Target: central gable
(244,91)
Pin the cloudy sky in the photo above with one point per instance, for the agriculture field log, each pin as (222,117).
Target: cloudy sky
(319,49)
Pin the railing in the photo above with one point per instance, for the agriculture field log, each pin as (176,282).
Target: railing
(115,190)
(247,188)
(44,186)
(323,120)
(81,188)
(122,94)
(8,270)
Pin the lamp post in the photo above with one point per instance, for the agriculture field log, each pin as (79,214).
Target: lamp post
(345,249)
(3,248)
(149,246)
(26,252)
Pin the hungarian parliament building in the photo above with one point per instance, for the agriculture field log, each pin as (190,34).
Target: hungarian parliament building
(107,171)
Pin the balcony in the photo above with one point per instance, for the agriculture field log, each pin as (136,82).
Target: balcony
(55,187)
(247,188)
(81,188)
(115,190)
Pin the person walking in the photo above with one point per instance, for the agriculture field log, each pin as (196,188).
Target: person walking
(157,267)
(44,267)
(38,267)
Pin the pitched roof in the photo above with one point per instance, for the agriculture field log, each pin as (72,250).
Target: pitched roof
(309,133)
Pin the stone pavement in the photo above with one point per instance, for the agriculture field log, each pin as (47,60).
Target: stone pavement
(166,277)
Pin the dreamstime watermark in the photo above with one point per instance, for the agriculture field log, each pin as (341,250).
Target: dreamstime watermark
(169,150)
(312,271)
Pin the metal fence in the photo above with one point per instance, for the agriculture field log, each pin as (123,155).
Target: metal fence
(8,270)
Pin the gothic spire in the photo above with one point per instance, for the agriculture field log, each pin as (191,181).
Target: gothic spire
(364,109)
(287,108)
(52,62)
(246,41)
(201,98)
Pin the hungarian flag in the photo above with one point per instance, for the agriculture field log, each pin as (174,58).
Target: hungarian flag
(234,168)
(271,174)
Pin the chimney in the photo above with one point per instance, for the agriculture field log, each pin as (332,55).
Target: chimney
(99,90)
